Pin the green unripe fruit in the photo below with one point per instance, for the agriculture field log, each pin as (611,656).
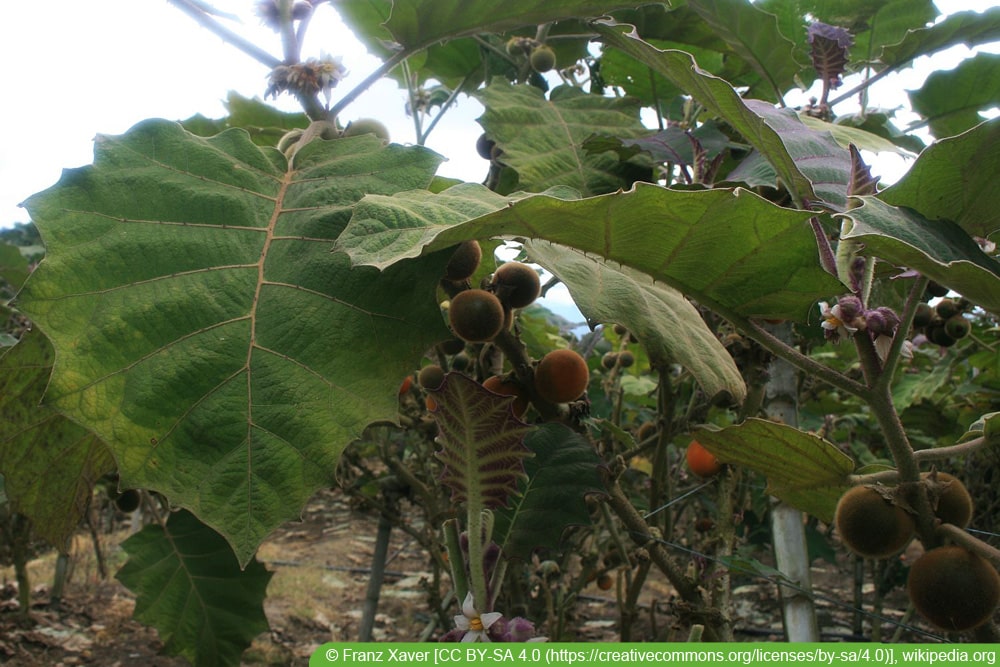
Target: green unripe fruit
(476,315)
(431,377)
(626,359)
(464,261)
(953,588)
(957,327)
(367,126)
(516,285)
(871,526)
(924,315)
(461,362)
(609,360)
(542,59)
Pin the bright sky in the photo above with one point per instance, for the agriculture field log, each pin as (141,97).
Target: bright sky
(75,68)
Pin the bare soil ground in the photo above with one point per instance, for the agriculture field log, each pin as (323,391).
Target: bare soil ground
(316,595)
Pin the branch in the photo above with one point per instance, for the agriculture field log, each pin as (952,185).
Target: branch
(381,71)
(208,22)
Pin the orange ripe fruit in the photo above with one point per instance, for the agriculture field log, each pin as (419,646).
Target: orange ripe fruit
(561,376)
(500,385)
(701,461)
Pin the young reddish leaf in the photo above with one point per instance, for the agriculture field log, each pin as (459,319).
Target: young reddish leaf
(482,442)
(830,47)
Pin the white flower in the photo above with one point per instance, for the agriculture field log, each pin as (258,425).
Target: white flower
(473,623)
(833,322)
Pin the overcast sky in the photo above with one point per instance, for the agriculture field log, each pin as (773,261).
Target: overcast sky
(75,68)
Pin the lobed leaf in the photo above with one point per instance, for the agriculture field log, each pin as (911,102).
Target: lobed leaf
(50,464)
(189,284)
(776,134)
(543,140)
(729,248)
(955,179)
(670,328)
(951,101)
(802,469)
(552,496)
(939,249)
(190,587)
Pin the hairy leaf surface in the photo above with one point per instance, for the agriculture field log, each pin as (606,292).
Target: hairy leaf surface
(939,249)
(49,464)
(203,328)
(543,140)
(729,248)
(670,328)
(190,587)
(552,497)
(802,469)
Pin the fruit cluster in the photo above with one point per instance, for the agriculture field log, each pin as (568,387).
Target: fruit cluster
(944,323)
(952,587)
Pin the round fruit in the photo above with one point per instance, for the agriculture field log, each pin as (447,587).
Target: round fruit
(937,335)
(484,146)
(517,285)
(464,261)
(542,59)
(476,315)
(924,315)
(957,327)
(954,503)
(561,376)
(870,525)
(701,461)
(367,126)
(946,308)
(605,582)
(626,359)
(609,360)
(128,501)
(646,431)
(431,377)
(953,588)
(506,387)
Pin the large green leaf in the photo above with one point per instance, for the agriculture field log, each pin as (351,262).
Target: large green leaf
(754,35)
(204,330)
(416,24)
(939,249)
(190,587)
(670,328)
(950,101)
(49,463)
(802,469)
(543,139)
(968,28)
(719,97)
(728,248)
(955,179)
(552,497)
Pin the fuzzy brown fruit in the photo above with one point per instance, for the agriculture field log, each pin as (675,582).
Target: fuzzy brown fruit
(516,284)
(871,526)
(476,315)
(464,261)
(954,503)
(561,376)
(953,588)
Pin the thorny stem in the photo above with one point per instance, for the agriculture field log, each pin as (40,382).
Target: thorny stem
(209,23)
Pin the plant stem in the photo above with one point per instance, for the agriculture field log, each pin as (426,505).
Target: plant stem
(209,23)
(959,536)
(375,76)
(477,575)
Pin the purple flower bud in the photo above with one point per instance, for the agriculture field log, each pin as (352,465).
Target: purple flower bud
(891,318)
(517,629)
(850,309)
(877,324)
